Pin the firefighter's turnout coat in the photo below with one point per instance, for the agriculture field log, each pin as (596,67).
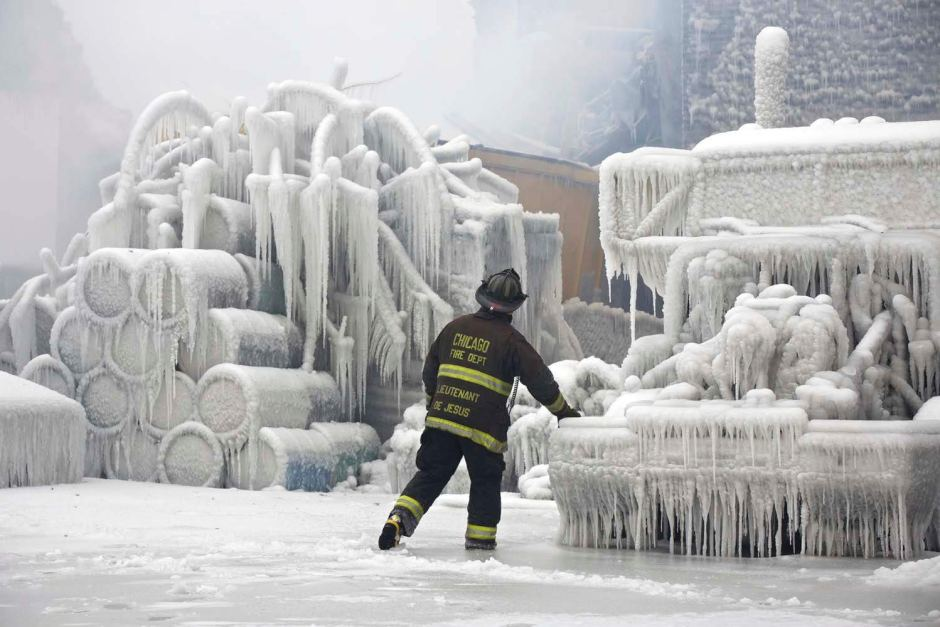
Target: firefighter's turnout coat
(468,377)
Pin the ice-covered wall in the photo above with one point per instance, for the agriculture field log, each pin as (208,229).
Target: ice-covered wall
(847,58)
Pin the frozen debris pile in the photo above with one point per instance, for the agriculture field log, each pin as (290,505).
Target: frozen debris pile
(42,435)
(788,403)
(256,272)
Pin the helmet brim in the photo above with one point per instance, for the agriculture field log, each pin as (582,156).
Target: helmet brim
(491,304)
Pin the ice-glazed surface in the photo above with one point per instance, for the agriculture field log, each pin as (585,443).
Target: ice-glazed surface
(42,435)
(117,553)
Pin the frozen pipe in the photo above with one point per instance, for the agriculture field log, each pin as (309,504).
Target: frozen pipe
(870,345)
(904,389)
(172,113)
(504,189)
(43,438)
(228,226)
(137,350)
(178,286)
(174,404)
(133,457)
(165,210)
(51,373)
(340,70)
(78,344)
(454,151)
(199,181)
(167,237)
(107,186)
(312,460)
(104,290)
(235,401)
(771,57)
(265,284)
(190,454)
(246,337)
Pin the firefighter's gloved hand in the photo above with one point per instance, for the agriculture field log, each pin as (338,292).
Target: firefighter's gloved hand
(568,412)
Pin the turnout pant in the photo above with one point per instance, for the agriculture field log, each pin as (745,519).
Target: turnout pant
(438,457)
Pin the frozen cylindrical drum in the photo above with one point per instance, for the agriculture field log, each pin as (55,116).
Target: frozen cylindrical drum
(352,443)
(132,457)
(174,404)
(265,284)
(312,460)
(77,343)
(137,349)
(246,337)
(108,401)
(104,288)
(235,401)
(178,285)
(228,226)
(190,454)
(51,373)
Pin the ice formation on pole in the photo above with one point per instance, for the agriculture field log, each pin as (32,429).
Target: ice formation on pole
(771,53)
(801,335)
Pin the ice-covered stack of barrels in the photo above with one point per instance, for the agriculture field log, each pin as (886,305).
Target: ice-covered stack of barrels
(189,373)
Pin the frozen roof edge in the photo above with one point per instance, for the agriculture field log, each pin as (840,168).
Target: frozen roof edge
(824,136)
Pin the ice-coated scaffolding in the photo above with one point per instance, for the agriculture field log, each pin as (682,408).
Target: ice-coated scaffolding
(255,273)
(801,335)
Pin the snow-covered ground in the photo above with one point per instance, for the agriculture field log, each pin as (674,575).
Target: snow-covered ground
(111,552)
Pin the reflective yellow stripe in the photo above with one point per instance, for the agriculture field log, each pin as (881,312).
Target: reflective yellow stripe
(411,505)
(483,439)
(475,376)
(479,532)
(557,404)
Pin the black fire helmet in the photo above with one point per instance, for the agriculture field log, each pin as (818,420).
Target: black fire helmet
(501,292)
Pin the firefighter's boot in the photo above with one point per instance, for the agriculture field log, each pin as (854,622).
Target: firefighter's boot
(480,538)
(479,545)
(391,532)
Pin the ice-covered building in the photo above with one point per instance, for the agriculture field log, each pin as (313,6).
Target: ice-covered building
(789,403)
(258,278)
(849,57)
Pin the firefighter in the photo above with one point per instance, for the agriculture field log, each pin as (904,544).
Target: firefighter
(468,378)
